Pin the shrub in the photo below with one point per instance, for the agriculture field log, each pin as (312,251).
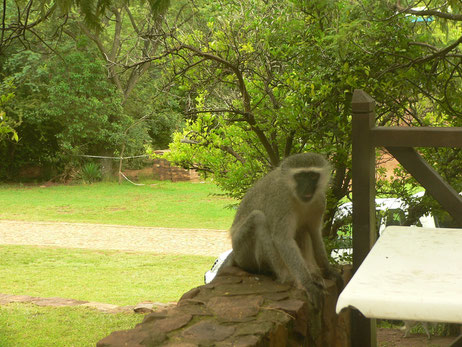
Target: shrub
(90,173)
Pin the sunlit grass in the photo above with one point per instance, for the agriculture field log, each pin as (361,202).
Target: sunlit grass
(121,278)
(27,325)
(113,277)
(161,204)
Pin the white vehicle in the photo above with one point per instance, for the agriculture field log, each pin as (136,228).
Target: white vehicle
(210,275)
(393,212)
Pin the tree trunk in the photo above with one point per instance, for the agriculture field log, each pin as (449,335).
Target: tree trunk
(107,167)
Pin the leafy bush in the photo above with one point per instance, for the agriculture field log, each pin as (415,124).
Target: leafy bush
(90,173)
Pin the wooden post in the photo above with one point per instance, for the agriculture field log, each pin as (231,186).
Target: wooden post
(364,227)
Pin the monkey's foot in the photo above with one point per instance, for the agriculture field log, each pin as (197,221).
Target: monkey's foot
(318,280)
(335,276)
(316,294)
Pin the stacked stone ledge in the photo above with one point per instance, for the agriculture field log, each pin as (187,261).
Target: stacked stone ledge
(241,309)
(163,170)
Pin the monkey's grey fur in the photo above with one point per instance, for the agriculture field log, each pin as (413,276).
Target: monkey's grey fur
(276,232)
(408,324)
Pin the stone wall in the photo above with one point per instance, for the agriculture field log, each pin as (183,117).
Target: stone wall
(241,309)
(163,171)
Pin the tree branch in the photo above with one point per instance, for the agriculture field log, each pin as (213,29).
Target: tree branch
(110,62)
(423,44)
(289,142)
(224,148)
(438,54)
(220,110)
(132,20)
(274,158)
(445,15)
(19,29)
(3,22)
(116,39)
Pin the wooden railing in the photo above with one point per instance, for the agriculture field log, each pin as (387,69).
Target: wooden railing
(400,142)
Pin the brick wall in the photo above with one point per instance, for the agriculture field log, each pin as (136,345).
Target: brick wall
(241,309)
(163,171)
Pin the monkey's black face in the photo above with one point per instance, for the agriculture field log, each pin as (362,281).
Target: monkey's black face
(306,183)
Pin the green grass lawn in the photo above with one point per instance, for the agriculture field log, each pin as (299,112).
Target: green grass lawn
(27,325)
(160,204)
(112,277)
(121,278)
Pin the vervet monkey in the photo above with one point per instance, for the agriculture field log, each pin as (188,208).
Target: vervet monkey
(408,324)
(277,228)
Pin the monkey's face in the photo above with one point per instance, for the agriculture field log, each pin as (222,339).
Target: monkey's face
(306,183)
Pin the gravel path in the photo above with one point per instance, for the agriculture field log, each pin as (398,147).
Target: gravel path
(115,237)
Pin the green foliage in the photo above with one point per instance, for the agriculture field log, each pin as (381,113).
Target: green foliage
(73,101)
(162,126)
(258,80)
(20,17)
(29,73)
(163,113)
(210,157)
(82,102)
(90,173)
(6,126)
(271,79)
(67,107)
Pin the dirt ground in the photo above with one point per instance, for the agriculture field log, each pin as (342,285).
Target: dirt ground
(394,338)
(157,240)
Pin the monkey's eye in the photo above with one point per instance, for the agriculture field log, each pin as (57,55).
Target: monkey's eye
(307,176)
(313,175)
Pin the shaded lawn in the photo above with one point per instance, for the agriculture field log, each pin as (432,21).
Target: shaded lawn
(157,204)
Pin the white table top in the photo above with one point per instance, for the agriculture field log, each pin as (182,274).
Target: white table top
(411,273)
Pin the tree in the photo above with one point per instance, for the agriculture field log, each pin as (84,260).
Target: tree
(84,105)
(127,47)
(436,34)
(70,120)
(19,19)
(271,79)
(67,108)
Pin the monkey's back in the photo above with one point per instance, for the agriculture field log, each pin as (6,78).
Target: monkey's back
(270,194)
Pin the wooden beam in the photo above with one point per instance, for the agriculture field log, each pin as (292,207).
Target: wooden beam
(417,137)
(449,199)
(364,228)
(363,174)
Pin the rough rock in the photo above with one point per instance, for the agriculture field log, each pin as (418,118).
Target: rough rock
(241,309)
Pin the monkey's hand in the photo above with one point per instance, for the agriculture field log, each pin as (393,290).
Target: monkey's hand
(332,274)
